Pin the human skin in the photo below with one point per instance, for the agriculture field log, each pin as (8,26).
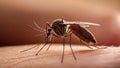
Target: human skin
(25,11)
(11,57)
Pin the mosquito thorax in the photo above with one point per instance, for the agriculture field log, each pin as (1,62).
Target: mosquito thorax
(58,27)
(56,23)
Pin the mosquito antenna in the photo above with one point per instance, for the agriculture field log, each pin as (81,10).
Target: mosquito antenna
(36,24)
(34,28)
(38,27)
(38,35)
(47,23)
(46,28)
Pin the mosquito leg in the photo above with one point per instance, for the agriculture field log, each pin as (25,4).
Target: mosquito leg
(72,49)
(63,50)
(49,46)
(89,46)
(99,47)
(46,41)
(41,48)
(50,43)
(46,28)
(86,44)
(55,35)
(29,48)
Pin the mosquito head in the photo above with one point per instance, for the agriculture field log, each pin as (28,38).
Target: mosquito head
(48,32)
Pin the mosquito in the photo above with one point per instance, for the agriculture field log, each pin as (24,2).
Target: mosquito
(62,29)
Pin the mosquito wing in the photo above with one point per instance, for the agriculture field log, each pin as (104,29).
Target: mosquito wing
(83,34)
(82,24)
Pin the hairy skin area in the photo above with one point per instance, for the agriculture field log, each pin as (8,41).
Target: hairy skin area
(86,58)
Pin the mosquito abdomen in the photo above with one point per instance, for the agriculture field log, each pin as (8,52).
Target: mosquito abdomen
(82,33)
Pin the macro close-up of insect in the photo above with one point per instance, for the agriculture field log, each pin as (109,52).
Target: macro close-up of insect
(62,29)
(59,33)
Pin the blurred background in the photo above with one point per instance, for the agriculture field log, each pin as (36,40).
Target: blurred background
(16,15)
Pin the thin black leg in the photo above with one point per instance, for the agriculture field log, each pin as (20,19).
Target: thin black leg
(29,48)
(46,41)
(50,43)
(86,44)
(72,49)
(99,47)
(41,49)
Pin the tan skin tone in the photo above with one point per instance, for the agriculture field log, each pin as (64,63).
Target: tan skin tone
(102,58)
(86,58)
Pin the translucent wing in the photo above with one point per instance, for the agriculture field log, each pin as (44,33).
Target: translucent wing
(82,24)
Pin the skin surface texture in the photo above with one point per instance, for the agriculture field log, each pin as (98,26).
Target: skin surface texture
(11,57)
